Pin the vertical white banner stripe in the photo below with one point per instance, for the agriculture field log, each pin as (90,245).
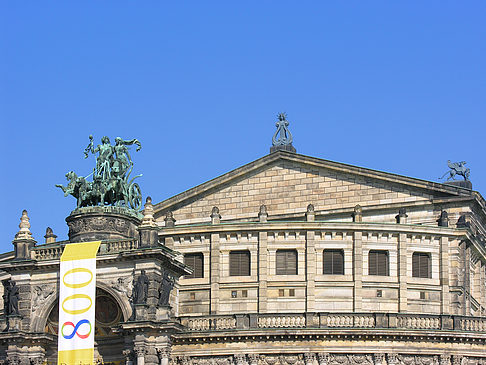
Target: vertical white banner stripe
(77,297)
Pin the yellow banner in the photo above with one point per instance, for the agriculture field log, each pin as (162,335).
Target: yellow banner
(77,297)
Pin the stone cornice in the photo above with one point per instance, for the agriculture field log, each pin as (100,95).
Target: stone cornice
(293,225)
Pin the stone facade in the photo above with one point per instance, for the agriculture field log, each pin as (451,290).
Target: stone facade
(412,312)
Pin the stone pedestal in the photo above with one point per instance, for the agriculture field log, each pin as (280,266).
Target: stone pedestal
(461,183)
(163,313)
(288,148)
(141,312)
(103,223)
(13,323)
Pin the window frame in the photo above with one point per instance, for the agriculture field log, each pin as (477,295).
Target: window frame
(377,269)
(417,271)
(238,270)
(333,252)
(286,269)
(194,255)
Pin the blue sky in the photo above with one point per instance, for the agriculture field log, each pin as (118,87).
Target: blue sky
(394,86)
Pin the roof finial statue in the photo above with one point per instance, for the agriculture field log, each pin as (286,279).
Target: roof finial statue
(457,168)
(282,139)
(111,184)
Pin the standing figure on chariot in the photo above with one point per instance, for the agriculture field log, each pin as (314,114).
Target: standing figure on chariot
(105,159)
(123,162)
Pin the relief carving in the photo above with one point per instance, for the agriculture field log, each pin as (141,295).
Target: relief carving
(41,293)
(82,225)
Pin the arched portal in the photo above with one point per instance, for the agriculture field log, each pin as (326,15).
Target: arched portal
(108,315)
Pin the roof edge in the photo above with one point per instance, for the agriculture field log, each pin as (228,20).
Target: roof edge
(318,162)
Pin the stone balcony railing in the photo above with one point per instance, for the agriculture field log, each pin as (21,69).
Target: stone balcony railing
(256,321)
(54,252)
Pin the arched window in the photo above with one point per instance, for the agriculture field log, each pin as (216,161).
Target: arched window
(421,265)
(378,263)
(107,315)
(196,262)
(333,262)
(286,262)
(239,263)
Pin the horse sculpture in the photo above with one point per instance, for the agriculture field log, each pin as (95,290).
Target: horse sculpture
(457,168)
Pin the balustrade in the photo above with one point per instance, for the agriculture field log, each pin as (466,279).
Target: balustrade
(335,320)
(41,253)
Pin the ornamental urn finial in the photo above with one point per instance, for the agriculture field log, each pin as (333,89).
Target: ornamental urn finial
(24,232)
(148,214)
(23,241)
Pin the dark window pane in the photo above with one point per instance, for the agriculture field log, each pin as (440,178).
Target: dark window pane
(239,263)
(421,265)
(378,263)
(286,262)
(196,262)
(333,261)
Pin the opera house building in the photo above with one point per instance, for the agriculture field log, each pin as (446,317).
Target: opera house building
(287,260)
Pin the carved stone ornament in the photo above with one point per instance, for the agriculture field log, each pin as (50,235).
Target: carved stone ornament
(323,358)
(457,360)
(141,351)
(253,359)
(418,359)
(163,353)
(123,285)
(128,355)
(392,359)
(183,360)
(41,293)
(445,359)
(240,359)
(99,224)
(270,359)
(309,358)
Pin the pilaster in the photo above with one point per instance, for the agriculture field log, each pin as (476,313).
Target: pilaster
(358,271)
(215,273)
(262,271)
(402,272)
(444,276)
(310,272)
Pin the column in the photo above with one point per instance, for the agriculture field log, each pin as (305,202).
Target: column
(140,351)
(358,271)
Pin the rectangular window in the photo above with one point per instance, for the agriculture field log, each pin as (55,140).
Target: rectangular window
(421,265)
(378,263)
(196,262)
(286,262)
(239,263)
(333,262)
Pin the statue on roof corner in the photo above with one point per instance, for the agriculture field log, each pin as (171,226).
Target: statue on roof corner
(111,184)
(457,168)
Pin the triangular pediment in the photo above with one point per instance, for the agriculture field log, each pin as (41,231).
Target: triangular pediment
(287,182)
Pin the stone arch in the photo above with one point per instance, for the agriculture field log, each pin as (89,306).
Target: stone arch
(41,316)
(122,301)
